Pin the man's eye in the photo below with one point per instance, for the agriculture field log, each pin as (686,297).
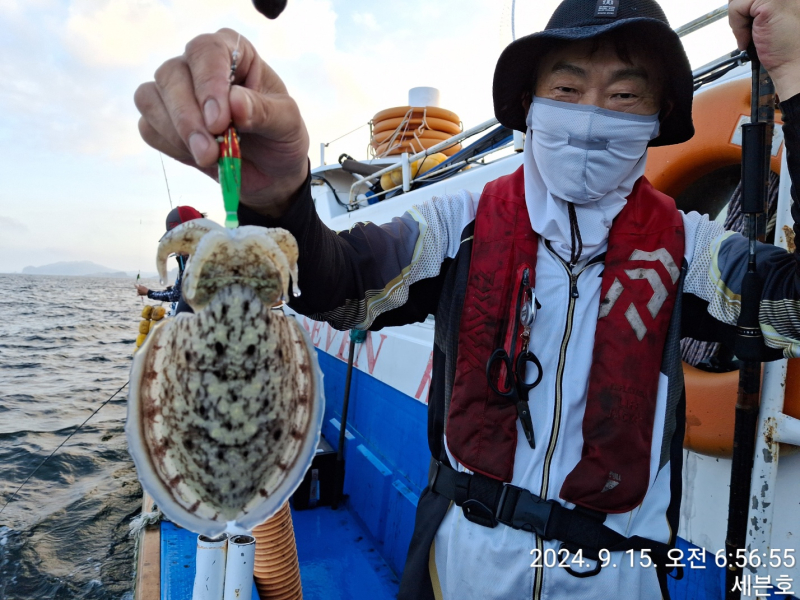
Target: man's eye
(566,90)
(626,96)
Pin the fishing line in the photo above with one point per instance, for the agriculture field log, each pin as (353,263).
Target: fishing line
(161,156)
(14,495)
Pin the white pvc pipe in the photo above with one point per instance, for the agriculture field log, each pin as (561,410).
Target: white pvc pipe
(519,141)
(239,568)
(423,96)
(764,479)
(406,172)
(787,430)
(209,577)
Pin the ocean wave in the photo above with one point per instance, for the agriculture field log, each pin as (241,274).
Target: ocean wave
(66,532)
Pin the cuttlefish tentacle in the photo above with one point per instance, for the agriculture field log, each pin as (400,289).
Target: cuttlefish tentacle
(280,246)
(267,248)
(288,245)
(193,278)
(183,238)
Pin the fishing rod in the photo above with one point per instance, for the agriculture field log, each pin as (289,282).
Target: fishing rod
(357,336)
(163,170)
(41,464)
(756,151)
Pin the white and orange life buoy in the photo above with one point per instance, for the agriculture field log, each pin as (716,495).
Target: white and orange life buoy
(710,161)
(414,145)
(431,123)
(413,129)
(379,138)
(417,112)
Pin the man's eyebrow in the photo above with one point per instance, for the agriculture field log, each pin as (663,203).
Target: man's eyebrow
(568,68)
(630,73)
(627,73)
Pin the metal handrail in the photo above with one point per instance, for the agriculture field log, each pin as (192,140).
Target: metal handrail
(405,161)
(444,172)
(700,22)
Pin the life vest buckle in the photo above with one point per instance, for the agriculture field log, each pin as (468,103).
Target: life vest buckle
(480,514)
(520,509)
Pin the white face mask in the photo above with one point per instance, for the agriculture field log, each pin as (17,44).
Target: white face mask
(585,152)
(586,156)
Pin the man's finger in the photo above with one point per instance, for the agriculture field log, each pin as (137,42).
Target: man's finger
(175,86)
(154,139)
(209,59)
(741,22)
(273,116)
(156,123)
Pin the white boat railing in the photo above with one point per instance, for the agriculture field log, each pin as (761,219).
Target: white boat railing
(405,160)
(774,426)
(703,21)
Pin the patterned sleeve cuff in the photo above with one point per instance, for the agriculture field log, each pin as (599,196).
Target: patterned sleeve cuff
(295,217)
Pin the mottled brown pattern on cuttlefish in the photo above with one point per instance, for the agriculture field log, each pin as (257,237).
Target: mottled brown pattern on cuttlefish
(221,411)
(225,409)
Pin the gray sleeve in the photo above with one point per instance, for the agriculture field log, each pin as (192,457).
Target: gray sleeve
(718,262)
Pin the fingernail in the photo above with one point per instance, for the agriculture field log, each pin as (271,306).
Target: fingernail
(248,103)
(198,144)
(210,111)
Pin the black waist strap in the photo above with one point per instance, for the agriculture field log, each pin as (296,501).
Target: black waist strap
(488,502)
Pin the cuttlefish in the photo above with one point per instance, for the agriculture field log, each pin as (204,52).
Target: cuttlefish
(225,405)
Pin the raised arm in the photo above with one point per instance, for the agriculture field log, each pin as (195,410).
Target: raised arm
(191,100)
(369,276)
(720,258)
(372,276)
(719,263)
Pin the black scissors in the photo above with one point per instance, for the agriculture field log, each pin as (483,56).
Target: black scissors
(514,386)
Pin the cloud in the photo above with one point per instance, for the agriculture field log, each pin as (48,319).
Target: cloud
(366,20)
(11,226)
(117,33)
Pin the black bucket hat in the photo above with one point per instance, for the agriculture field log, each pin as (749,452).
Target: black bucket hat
(586,19)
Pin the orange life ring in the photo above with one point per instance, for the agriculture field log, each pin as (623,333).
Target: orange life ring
(711,407)
(431,122)
(717,113)
(379,138)
(412,146)
(684,172)
(430,111)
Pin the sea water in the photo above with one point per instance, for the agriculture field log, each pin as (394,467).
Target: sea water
(65,348)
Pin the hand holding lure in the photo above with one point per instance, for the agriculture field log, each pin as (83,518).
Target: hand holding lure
(230,165)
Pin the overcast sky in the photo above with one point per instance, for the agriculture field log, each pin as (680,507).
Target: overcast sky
(77,182)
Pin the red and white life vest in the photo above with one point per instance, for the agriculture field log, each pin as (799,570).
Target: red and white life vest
(639,288)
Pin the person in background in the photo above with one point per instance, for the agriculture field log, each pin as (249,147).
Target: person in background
(178,215)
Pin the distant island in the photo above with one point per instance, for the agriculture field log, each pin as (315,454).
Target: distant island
(86,268)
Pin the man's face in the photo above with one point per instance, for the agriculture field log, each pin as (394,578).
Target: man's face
(601,78)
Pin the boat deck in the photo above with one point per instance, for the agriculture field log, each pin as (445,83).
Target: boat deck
(337,560)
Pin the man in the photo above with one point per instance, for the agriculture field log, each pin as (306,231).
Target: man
(178,215)
(610,260)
